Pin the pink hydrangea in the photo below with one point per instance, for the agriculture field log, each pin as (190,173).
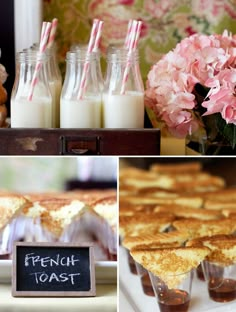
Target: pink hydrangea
(222,95)
(207,60)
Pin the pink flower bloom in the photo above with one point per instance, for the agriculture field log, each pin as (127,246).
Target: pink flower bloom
(228,76)
(222,93)
(180,123)
(229,110)
(208,60)
(184,100)
(216,102)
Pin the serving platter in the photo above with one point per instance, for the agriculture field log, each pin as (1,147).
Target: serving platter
(105,271)
(132,298)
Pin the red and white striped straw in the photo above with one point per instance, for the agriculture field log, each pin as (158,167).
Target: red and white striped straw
(92,36)
(98,36)
(138,32)
(52,32)
(127,38)
(42,47)
(44,25)
(134,36)
(44,41)
(87,62)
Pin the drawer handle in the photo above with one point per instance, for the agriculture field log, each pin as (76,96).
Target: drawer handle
(78,151)
(79,145)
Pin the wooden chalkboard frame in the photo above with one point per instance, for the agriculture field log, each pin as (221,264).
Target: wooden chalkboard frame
(19,293)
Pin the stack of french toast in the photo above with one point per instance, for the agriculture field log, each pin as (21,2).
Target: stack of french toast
(59,217)
(174,216)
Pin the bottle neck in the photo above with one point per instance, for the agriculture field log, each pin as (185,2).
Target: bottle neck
(80,57)
(28,63)
(75,65)
(122,55)
(122,66)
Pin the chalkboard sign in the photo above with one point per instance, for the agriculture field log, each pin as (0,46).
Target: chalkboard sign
(43,269)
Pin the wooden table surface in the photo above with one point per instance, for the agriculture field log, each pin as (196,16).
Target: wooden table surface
(106,300)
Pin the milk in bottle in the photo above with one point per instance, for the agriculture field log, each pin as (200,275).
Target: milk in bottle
(54,80)
(123,110)
(84,111)
(37,111)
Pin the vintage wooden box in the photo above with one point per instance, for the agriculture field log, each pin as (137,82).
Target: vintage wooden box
(79,141)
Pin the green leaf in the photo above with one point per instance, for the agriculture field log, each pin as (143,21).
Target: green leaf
(227,130)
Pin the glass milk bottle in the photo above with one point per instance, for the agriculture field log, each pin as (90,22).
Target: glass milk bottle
(80,47)
(35,111)
(123,104)
(80,109)
(55,82)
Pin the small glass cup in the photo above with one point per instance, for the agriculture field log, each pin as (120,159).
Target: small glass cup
(131,263)
(111,234)
(199,273)
(145,280)
(221,281)
(173,293)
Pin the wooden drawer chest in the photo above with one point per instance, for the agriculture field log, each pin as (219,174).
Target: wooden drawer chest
(79,141)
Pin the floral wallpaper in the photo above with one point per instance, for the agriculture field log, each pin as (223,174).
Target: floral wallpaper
(165,22)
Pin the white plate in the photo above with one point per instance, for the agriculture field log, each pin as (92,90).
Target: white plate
(105,271)
(132,297)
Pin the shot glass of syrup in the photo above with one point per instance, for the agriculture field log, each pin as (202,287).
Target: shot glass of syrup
(221,281)
(4,255)
(145,280)
(131,264)
(173,292)
(199,272)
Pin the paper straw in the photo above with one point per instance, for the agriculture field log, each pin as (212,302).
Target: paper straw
(138,32)
(42,47)
(86,64)
(52,32)
(98,36)
(127,38)
(43,30)
(44,41)
(132,46)
(136,65)
(92,36)
(133,36)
